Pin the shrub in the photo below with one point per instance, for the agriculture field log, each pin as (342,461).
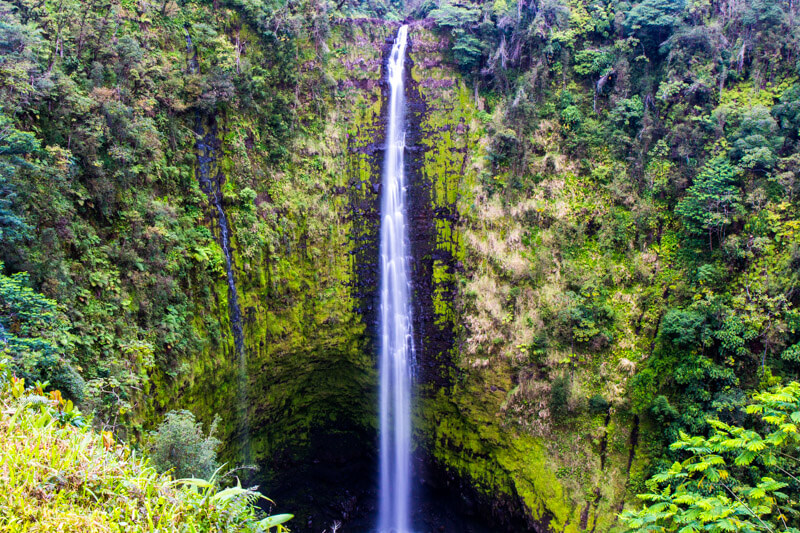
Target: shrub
(662,411)
(598,405)
(35,332)
(559,397)
(756,142)
(571,117)
(181,446)
(683,328)
(593,62)
(589,320)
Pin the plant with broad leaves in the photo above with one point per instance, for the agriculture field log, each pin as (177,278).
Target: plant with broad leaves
(734,480)
(237,505)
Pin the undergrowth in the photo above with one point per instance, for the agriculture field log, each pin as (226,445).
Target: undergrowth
(58,474)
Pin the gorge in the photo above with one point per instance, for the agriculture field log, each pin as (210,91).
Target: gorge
(420,265)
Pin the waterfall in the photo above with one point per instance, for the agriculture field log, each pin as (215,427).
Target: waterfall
(396,344)
(238,334)
(211,186)
(206,145)
(191,52)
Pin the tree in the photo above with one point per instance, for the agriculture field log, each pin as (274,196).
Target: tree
(35,332)
(713,201)
(453,16)
(787,111)
(589,319)
(589,62)
(14,145)
(181,445)
(733,480)
(653,20)
(467,49)
(21,47)
(757,140)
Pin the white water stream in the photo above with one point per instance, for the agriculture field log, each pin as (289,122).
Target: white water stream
(396,344)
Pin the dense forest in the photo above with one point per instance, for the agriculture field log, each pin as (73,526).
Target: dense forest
(606,257)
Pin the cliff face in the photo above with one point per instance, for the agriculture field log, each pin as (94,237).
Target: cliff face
(469,439)
(273,173)
(307,300)
(311,357)
(472,438)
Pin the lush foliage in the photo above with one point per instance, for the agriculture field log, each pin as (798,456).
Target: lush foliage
(628,255)
(635,228)
(99,204)
(57,474)
(712,202)
(734,480)
(36,333)
(181,446)
(114,286)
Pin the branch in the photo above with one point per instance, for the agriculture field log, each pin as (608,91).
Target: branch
(746,506)
(787,473)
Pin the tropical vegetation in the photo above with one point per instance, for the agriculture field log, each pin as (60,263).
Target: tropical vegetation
(612,262)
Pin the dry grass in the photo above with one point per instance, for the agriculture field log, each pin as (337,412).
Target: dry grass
(528,404)
(484,323)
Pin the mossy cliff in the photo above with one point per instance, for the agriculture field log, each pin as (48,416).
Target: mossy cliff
(152,122)
(474,432)
(306,298)
(309,307)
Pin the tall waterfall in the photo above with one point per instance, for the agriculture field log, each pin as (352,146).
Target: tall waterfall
(396,344)
(207,163)
(210,184)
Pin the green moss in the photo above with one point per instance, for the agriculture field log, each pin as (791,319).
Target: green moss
(308,364)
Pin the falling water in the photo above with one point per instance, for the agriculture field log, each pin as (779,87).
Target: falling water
(238,334)
(210,184)
(396,349)
(206,158)
(191,51)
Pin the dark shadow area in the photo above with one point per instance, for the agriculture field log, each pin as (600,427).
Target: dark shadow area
(339,486)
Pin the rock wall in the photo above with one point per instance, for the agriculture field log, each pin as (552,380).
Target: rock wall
(468,438)
(306,299)
(309,302)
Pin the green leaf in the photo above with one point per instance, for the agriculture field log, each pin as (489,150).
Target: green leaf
(194,482)
(275,520)
(230,493)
